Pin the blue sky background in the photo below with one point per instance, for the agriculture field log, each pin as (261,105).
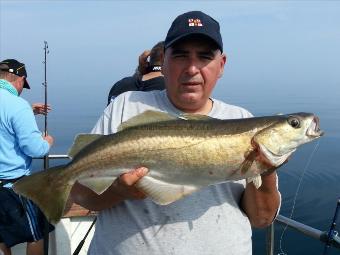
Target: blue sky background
(283,56)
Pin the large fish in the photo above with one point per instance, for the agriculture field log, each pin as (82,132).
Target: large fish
(182,155)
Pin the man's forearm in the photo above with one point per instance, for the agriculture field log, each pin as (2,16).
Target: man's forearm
(261,204)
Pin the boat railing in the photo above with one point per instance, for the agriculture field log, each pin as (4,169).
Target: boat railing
(330,238)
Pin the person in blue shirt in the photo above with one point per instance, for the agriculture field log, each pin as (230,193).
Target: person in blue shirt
(20,140)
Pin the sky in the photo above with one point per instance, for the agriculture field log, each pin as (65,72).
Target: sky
(279,53)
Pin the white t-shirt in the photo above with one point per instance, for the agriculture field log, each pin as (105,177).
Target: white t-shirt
(209,221)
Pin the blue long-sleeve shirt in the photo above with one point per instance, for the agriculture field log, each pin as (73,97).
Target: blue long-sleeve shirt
(20,138)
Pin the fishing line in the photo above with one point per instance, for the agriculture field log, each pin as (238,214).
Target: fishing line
(296,194)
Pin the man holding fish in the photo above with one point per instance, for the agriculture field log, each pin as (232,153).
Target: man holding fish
(215,220)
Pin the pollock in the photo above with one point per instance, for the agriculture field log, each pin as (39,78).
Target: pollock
(183,154)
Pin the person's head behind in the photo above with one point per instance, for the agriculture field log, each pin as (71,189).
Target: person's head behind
(14,72)
(193,61)
(156,54)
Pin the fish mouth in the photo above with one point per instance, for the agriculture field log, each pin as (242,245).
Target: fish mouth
(314,130)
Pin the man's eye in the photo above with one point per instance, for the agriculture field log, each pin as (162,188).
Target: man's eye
(178,55)
(206,57)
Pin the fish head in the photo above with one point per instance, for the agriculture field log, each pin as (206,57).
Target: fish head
(285,134)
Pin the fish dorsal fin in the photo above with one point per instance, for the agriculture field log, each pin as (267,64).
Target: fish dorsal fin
(163,193)
(146,117)
(80,142)
(191,116)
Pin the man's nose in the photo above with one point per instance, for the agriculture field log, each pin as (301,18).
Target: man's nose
(192,67)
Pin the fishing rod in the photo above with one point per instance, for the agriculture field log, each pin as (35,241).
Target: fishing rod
(332,235)
(80,245)
(46,158)
(46,51)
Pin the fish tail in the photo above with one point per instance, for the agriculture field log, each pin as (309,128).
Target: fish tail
(48,189)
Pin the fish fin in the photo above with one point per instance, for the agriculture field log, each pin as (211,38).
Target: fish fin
(190,116)
(97,184)
(80,142)
(256,180)
(146,118)
(248,161)
(49,189)
(164,193)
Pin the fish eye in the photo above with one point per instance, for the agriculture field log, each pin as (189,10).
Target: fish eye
(294,122)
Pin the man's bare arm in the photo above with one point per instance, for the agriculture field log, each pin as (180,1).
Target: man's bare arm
(261,204)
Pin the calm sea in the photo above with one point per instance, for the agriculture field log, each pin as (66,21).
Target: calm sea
(318,162)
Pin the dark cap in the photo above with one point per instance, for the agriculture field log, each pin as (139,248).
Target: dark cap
(194,23)
(15,67)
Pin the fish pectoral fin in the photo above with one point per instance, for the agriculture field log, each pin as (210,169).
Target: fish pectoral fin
(97,184)
(80,142)
(163,193)
(146,117)
(256,180)
(245,166)
(248,161)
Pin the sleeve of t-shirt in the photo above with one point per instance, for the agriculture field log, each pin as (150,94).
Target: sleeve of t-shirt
(27,133)
(111,118)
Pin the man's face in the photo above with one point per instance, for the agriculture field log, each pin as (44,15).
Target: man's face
(191,69)
(19,84)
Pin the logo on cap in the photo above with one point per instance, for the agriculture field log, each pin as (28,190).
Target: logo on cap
(195,23)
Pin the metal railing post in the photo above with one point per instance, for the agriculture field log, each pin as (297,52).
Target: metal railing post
(270,237)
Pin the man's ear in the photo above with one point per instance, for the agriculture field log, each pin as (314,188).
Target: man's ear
(162,69)
(161,57)
(222,64)
(162,61)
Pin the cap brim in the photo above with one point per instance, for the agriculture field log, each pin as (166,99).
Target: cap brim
(179,38)
(26,85)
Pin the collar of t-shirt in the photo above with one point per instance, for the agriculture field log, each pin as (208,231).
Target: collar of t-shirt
(8,86)
(178,112)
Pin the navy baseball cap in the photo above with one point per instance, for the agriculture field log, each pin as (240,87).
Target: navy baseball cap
(194,23)
(15,67)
